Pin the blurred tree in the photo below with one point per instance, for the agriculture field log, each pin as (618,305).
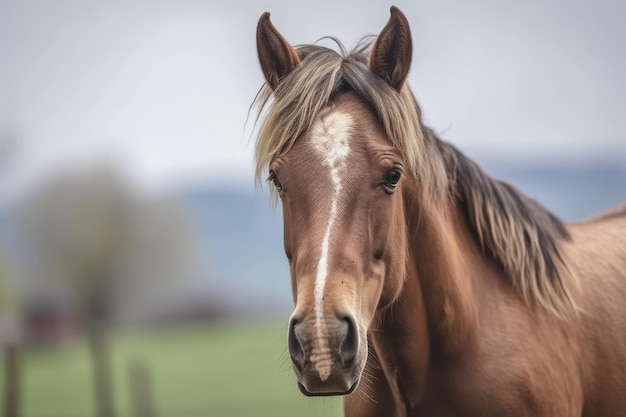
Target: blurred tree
(116,250)
(76,228)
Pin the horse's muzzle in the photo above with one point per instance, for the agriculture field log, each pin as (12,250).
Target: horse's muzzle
(324,355)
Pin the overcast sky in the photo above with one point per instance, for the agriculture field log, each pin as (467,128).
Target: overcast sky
(163,88)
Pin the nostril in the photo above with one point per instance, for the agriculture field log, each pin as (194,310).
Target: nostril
(350,344)
(295,346)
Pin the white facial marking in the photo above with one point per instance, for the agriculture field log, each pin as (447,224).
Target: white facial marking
(330,138)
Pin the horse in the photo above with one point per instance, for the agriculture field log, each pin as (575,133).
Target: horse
(422,286)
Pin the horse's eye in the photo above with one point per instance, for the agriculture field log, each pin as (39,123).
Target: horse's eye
(392,178)
(274,179)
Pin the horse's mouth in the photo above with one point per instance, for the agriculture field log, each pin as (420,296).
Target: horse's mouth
(329,393)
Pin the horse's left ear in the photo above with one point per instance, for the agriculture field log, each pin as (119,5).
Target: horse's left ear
(277,57)
(391,54)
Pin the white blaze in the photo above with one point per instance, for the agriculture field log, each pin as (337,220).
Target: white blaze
(330,138)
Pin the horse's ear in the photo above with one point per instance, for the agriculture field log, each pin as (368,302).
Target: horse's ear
(391,54)
(276,56)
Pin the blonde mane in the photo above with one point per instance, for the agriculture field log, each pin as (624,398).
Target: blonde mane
(323,74)
(521,235)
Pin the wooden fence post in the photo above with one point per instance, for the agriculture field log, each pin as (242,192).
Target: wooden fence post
(141,390)
(12,380)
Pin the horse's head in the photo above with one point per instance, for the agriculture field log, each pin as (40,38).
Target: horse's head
(340,178)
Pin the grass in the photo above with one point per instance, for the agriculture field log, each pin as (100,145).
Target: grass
(201,370)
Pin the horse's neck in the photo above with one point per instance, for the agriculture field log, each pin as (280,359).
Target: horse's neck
(446,256)
(402,343)
(435,317)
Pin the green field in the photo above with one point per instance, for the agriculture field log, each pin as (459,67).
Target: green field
(201,370)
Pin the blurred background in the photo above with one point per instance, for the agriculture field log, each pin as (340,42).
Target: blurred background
(141,273)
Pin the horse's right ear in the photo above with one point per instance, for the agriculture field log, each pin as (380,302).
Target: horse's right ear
(276,56)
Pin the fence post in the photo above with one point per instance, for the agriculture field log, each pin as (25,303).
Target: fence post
(141,390)
(12,380)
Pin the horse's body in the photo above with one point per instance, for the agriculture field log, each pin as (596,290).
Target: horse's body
(422,286)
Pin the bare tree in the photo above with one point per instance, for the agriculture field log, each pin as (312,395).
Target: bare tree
(113,247)
(89,231)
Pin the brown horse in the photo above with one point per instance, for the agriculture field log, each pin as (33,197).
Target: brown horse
(423,287)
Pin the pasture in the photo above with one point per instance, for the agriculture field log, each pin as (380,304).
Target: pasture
(201,370)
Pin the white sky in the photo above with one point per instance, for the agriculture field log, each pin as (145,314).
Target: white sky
(163,88)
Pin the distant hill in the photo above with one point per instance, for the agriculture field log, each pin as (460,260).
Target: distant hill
(241,238)
(574,192)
